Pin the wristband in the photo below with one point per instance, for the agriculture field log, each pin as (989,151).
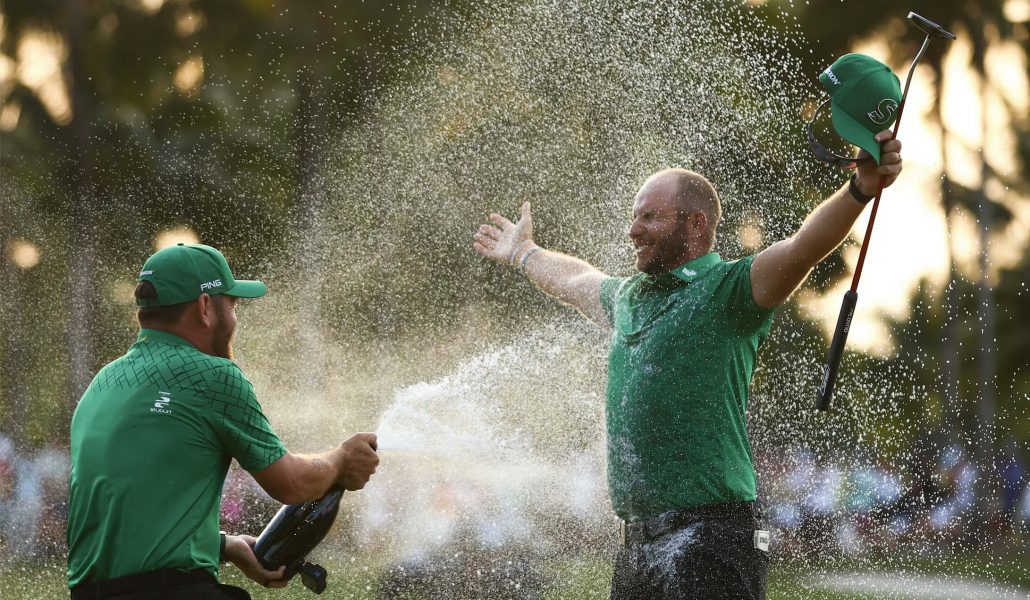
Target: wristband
(525,257)
(221,546)
(857,193)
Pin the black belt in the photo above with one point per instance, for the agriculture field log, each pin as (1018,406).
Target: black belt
(138,582)
(638,532)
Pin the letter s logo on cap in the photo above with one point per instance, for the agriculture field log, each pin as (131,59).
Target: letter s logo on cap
(884,111)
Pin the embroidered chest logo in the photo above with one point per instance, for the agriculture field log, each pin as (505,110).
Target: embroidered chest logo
(161,404)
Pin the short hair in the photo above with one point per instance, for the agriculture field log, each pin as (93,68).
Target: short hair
(694,192)
(164,315)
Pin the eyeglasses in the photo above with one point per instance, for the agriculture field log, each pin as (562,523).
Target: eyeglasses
(822,152)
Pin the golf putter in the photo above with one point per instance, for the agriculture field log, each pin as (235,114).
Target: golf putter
(847,307)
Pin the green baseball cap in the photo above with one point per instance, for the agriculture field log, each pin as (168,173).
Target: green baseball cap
(864,99)
(183,272)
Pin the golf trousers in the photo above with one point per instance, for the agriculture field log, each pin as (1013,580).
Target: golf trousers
(163,584)
(693,555)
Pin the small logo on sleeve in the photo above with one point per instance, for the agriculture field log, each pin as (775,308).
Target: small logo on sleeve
(161,404)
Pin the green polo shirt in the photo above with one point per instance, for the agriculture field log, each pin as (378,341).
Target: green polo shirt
(683,352)
(151,441)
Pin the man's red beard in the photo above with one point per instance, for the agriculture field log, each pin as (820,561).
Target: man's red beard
(223,348)
(221,345)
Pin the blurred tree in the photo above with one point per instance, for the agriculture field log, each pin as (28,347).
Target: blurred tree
(165,113)
(834,29)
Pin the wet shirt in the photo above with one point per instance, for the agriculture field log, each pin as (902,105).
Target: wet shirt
(683,351)
(151,441)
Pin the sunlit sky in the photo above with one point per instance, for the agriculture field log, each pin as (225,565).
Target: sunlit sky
(910,237)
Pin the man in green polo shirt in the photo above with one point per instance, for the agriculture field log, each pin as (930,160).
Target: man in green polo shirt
(153,436)
(686,333)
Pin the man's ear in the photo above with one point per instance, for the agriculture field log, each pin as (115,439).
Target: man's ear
(205,310)
(699,221)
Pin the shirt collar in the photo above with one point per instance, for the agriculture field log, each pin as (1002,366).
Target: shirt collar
(156,336)
(690,270)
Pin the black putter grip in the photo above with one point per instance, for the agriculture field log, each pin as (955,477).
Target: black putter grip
(929,27)
(840,338)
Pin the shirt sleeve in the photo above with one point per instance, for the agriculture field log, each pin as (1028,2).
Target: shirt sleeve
(749,316)
(243,429)
(609,290)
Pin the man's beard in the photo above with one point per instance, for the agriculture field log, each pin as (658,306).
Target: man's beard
(222,343)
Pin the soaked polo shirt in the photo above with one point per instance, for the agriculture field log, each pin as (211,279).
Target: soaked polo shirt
(151,441)
(684,348)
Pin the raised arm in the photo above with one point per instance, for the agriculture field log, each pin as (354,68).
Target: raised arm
(568,279)
(782,267)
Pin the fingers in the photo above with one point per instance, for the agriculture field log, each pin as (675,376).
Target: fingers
(490,232)
(481,248)
(871,174)
(242,555)
(890,152)
(890,158)
(499,241)
(370,438)
(360,460)
(501,221)
(488,243)
(273,579)
(486,238)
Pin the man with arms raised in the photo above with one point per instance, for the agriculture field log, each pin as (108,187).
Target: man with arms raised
(686,333)
(153,436)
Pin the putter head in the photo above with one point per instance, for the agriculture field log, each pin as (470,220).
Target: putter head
(930,28)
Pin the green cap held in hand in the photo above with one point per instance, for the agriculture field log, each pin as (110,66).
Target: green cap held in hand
(865,95)
(181,273)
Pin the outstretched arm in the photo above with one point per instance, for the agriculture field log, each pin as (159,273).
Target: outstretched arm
(297,478)
(568,279)
(779,269)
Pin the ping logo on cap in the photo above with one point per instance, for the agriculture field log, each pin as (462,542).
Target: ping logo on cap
(207,285)
(884,111)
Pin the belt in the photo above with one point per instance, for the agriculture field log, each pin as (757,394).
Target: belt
(638,532)
(138,582)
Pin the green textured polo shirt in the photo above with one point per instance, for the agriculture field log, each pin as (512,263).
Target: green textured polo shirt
(151,441)
(683,351)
